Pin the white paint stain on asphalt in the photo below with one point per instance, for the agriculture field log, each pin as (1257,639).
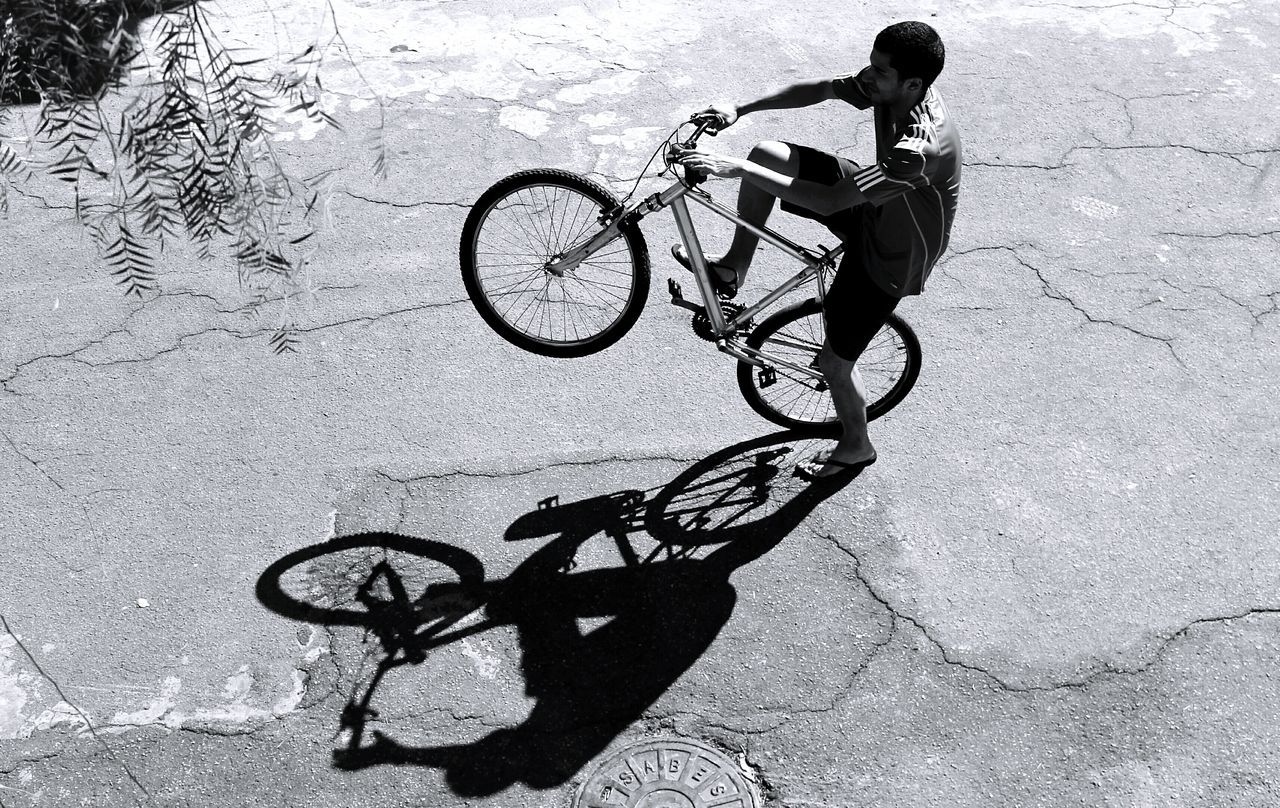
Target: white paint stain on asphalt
(1192,28)
(486,663)
(1094,208)
(600,120)
(19,694)
(631,139)
(238,685)
(609,85)
(13,693)
(155,712)
(532,123)
(397,49)
(289,703)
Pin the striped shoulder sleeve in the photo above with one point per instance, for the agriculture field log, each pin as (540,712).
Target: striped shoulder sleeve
(910,164)
(849,91)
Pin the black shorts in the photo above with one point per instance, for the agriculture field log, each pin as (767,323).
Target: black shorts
(828,169)
(855,307)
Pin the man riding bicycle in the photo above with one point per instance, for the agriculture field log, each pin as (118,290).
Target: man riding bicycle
(894,216)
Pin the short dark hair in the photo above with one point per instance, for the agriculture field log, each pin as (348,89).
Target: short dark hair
(914,50)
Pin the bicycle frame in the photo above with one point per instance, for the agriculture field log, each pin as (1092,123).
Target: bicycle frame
(725,331)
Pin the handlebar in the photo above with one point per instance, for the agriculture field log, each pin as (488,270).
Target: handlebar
(707,124)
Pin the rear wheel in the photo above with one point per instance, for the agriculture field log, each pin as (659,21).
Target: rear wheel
(516,230)
(889,367)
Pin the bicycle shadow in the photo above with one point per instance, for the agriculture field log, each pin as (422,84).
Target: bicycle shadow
(665,606)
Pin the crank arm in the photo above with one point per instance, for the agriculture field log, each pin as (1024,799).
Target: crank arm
(677,297)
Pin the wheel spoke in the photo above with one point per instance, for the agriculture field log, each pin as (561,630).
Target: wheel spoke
(795,399)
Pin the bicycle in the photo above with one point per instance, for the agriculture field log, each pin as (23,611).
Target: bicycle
(556,264)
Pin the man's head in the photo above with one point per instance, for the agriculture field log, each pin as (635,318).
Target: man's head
(905,59)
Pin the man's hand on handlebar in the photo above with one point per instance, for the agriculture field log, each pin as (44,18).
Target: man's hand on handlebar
(705,162)
(724,115)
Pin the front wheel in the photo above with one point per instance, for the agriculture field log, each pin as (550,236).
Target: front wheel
(517,230)
(889,367)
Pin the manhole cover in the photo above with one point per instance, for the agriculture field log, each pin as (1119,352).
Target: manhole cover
(667,774)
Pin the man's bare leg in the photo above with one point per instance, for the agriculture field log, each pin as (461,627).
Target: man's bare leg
(755,204)
(849,395)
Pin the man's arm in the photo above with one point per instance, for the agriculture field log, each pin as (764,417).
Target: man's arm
(907,166)
(816,196)
(813,195)
(800,94)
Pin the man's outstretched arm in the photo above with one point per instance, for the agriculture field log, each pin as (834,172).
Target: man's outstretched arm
(800,94)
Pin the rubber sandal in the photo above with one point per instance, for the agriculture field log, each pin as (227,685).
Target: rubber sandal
(843,468)
(723,288)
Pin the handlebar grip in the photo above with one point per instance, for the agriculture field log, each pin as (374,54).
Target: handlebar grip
(692,177)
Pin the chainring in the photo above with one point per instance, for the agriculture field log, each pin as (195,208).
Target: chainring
(702,322)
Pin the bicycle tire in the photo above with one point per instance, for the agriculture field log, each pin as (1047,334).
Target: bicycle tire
(515,228)
(890,366)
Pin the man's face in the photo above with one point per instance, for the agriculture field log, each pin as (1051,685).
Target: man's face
(880,81)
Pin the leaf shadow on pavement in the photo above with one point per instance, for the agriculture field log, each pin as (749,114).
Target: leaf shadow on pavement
(665,605)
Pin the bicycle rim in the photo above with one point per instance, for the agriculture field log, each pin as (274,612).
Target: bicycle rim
(888,366)
(528,228)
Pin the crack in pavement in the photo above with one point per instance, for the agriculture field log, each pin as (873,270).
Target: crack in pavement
(120,329)
(1255,314)
(425,202)
(1053,293)
(1236,156)
(1064,161)
(521,471)
(44,203)
(983,164)
(373,318)
(1104,669)
(181,340)
(1226,234)
(62,562)
(19,762)
(34,464)
(784,714)
(4,623)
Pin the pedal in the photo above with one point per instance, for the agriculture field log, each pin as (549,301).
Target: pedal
(677,298)
(768,377)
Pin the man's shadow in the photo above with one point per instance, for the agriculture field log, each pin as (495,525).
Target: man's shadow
(665,604)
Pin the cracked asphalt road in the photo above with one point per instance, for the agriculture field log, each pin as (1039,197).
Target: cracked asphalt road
(1057,587)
